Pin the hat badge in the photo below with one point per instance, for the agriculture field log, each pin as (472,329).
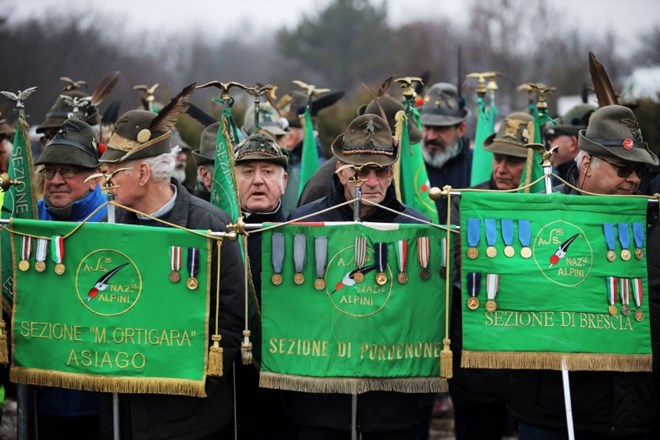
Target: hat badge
(143,135)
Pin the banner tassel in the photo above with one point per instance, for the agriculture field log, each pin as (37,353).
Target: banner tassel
(446,356)
(246,348)
(4,356)
(215,357)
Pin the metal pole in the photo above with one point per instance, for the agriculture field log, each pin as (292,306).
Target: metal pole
(115,396)
(567,400)
(354,403)
(547,175)
(23,412)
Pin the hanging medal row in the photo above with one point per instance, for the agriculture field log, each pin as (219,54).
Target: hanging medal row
(622,232)
(381,259)
(474,228)
(192,265)
(41,253)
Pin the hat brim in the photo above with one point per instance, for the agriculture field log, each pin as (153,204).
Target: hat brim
(360,159)
(200,159)
(634,154)
(437,120)
(66,155)
(506,148)
(111,156)
(281,161)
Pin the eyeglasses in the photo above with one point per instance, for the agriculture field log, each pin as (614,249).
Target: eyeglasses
(380,172)
(65,172)
(622,170)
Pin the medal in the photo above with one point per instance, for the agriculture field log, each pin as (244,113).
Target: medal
(402,260)
(473,237)
(299,257)
(26,251)
(380,254)
(638,295)
(41,252)
(624,239)
(176,261)
(525,237)
(473,287)
(320,256)
(193,268)
(612,293)
(491,237)
(608,230)
(360,258)
(423,256)
(625,296)
(638,236)
(492,286)
(57,253)
(507,237)
(277,257)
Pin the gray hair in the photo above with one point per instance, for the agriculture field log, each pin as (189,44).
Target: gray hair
(595,163)
(161,166)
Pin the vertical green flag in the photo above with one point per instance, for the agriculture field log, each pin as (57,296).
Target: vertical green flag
(413,182)
(482,160)
(533,169)
(20,199)
(224,194)
(310,154)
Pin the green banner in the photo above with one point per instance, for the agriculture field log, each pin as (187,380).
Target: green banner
(348,319)
(100,307)
(554,278)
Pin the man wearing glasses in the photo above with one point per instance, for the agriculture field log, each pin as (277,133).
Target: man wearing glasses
(605,404)
(368,148)
(72,156)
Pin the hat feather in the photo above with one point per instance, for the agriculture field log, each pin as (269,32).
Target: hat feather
(105,87)
(169,115)
(602,85)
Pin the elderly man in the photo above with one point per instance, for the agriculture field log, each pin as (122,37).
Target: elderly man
(480,395)
(367,143)
(445,148)
(141,153)
(71,158)
(605,404)
(261,179)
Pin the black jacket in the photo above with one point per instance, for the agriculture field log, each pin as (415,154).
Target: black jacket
(152,416)
(603,403)
(456,172)
(377,410)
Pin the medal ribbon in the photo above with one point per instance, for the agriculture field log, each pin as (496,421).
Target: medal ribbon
(380,251)
(402,254)
(474,283)
(443,252)
(624,235)
(507,231)
(625,291)
(299,252)
(26,248)
(360,251)
(423,251)
(277,256)
(176,257)
(321,255)
(608,229)
(638,234)
(524,232)
(42,249)
(473,232)
(612,290)
(492,285)
(491,231)
(638,291)
(57,248)
(193,261)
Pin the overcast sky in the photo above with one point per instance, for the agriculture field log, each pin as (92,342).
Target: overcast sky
(627,17)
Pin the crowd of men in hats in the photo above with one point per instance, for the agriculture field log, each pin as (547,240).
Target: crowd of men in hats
(148,160)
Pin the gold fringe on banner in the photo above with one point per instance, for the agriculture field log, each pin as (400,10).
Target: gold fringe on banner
(4,353)
(88,382)
(553,361)
(345,385)
(446,367)
(215,357)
